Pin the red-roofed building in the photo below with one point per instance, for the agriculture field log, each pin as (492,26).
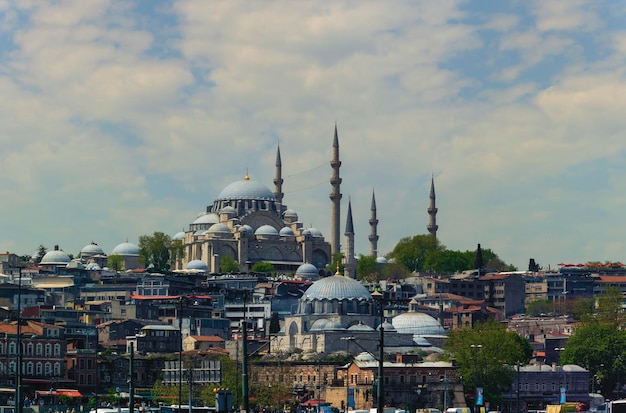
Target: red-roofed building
(203,343)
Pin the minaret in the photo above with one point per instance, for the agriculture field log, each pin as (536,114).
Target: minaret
(278,178)
(432,211)
(335,197)
(373,228)
(349,261)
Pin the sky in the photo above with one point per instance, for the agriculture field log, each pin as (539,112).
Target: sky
(122,118)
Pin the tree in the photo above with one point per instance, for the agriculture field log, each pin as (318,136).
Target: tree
(228,264)
(446,262)
(115,262)
(177,252)
(486,355)
(274,323)
(412,252)
(41,251)
(478,263)
(533,266)
(367,268)
(537,308)
(262,267)
(610,307)
(155,250)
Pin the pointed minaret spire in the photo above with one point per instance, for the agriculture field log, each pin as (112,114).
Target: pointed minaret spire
(373,228)
(278,178)
(349,260)
(432,210)
(335,197)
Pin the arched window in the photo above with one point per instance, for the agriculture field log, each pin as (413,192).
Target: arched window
(39,368)
(39,349)
(57,349)
(48,368)
(29,348)
(57,369)
(48,349)
(12,367)
(29,368)
(12,348)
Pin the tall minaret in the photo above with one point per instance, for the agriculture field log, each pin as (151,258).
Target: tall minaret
(349,264)
(373,228)
(335,197)
(432,211)
(278,178)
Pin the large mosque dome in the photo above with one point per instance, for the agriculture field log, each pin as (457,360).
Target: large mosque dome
(337,287)
(55,257)
(246,189)
(417,324)
(126,248)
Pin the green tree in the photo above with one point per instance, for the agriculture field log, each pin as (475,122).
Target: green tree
(412,252)
(228,264)
(446,262)
(486,355)
(537,308)
(610,307)
(41,251)
(115,262)
(274,323)
(262,267)
(336,264)
(177,252)
(155,250)
(599,347)
(367,268)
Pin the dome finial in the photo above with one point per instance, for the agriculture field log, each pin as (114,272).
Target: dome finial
(337,273)
(247,177)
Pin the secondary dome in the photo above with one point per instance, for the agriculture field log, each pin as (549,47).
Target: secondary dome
(197,265)
(308,270)
(209,218)
(55,256)
(266,230)
(286,232)
(91,249)
(126,248)
(179,236)
(337,287)
(324,324)
(246,189)
(418,324)
(219,229)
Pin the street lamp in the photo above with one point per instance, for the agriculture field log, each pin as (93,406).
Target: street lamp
(562,386)
(378,296)
(478,391)
(348,340)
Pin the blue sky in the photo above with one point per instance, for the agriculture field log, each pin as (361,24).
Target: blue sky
(119,119)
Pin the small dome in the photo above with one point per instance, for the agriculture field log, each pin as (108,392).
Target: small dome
(360,327)
(315,233)
(421,341)
(228,210)
(91,249)
(197,265)
(291,214)
(126,248)
(219,229)
(266,230)
(246,189)
(200,232)
(93,266)
(246,228)
(286,232)
(337,287)
(55,257)
(324,324)
(307,270)
(179,236)
(364,357)
(381,260)
(209,218)
(418,324)
(387,326)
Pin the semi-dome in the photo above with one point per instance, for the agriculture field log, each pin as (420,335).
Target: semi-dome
(324,324)
(286,232)
(360,327)
(126,248)
(291,214)
(246,189)
(246,228)
(91,249)
(55,257)
(197,265)
(337,287)
(266,230)
(307,270)
(387,326)
(219,229)
(418,324)
(315,233)
(210,218)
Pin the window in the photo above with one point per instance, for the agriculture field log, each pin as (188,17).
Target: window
(29,368)
(39,349)
(48,349)
(38,368)
(12,348)
(48,368)
(57,349)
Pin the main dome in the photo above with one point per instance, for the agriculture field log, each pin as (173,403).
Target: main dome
(246,189)
(337,287)
(126,248)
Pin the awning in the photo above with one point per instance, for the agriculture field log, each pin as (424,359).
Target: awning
(69,393)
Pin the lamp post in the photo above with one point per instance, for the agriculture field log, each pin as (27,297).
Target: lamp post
(180,353)
(19,403)
(562,390)
(348,340)
(477,390)
(380,398)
